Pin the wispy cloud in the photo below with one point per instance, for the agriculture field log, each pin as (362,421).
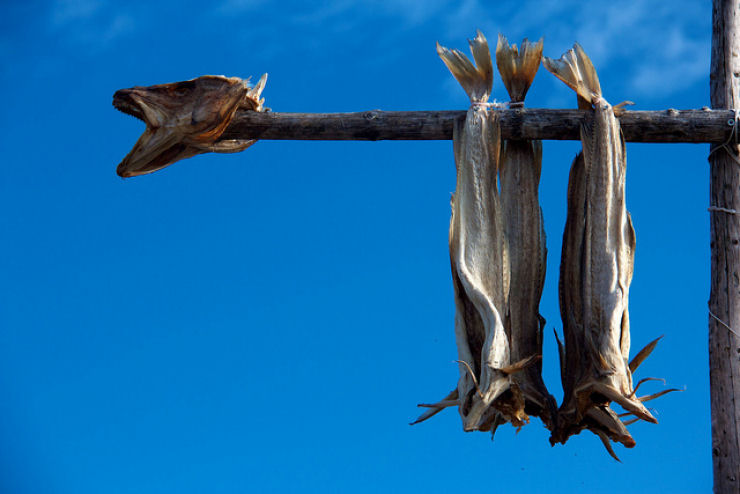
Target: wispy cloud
(410,13)
(65,12)
(657,47)
(92,24)
(686,62)
(414,12)
(237,7)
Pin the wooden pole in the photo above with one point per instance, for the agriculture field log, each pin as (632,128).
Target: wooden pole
(724,299)
(531,123)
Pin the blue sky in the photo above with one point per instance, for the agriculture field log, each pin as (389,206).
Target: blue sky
(268,321)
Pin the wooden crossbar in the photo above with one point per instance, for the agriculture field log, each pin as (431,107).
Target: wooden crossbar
(695,126)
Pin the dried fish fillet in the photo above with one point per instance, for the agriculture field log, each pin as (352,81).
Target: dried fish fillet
(486,394)
(519,173)
(596,271)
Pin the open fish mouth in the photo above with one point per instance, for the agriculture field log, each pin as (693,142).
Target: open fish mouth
(123,102)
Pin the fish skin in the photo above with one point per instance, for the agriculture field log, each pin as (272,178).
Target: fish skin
(184,119)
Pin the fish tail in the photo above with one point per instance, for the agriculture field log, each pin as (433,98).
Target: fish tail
(476,80)
(575,69)
(518,66)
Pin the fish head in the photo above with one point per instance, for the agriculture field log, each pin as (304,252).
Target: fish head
(182,119)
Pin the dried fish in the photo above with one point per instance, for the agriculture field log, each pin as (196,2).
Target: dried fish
(596,271)
(519,173)
(486,394)
(184,119)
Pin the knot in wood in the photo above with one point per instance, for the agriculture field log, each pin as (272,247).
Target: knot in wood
(372,115)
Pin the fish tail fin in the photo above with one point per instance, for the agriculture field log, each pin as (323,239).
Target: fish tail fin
(575,69)
(518,66)
(476,80)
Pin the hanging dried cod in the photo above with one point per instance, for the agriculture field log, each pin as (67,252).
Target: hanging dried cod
(486,394)
(519,173)
(596,271)
(184,119)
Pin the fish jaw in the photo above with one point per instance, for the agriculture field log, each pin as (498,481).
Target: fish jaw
(155,149)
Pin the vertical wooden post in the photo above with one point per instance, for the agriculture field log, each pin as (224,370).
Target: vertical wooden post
(724,300)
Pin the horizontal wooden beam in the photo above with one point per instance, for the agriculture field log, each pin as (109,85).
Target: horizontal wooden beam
(528,123)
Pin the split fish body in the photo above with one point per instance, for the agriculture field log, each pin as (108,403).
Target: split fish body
(520,170)
(478,250)
(479,258)
(486,394)
(596,270)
